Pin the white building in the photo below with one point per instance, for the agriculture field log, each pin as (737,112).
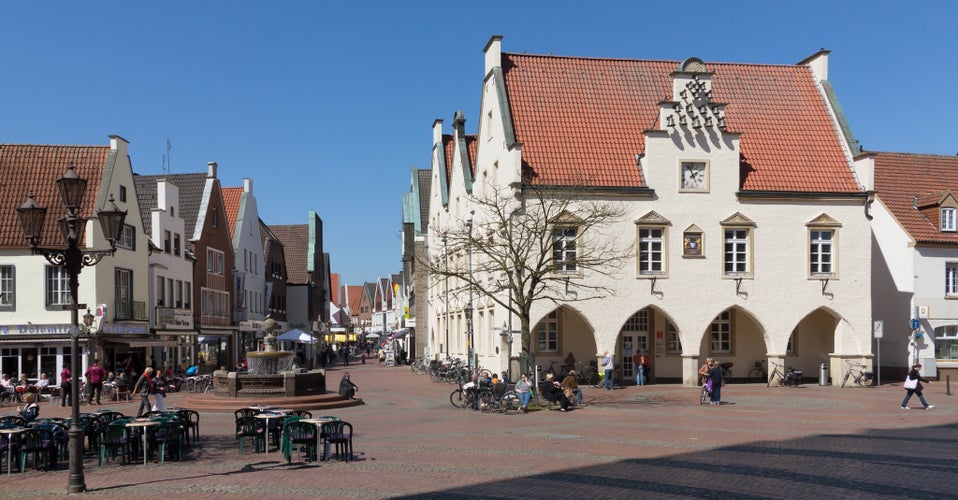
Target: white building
(915,265)
(170,273)
(34,294)
(749,222)
(242,214)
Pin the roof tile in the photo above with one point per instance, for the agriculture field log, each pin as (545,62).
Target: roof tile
(901,177)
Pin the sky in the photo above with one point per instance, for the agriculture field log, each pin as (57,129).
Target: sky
(327,106)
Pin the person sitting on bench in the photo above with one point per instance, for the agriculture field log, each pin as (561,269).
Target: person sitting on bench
(552,392)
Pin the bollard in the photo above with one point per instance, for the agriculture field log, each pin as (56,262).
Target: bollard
(948,385)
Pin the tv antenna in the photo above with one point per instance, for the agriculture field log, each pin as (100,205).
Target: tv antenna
(167,159)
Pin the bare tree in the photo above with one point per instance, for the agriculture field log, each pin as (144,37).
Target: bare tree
(542,243)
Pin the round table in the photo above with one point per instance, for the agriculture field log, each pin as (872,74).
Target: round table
(267,417)
(9,433)
(144,424)
(318,422)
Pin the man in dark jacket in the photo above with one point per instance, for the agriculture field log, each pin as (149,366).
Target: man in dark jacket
(715,375)
(347,388)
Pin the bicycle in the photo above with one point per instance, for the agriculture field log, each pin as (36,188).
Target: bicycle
(586,374)
(706,395)
(727,370)
(463,398)
(856,371)
(757,373)
(789,378)
(507,402)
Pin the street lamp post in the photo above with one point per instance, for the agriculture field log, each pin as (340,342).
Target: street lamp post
(473,360)
(72,260)
(445,254)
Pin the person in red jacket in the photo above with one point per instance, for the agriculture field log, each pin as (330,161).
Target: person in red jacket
(95,375)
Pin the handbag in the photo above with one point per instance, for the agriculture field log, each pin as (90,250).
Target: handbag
(910,383)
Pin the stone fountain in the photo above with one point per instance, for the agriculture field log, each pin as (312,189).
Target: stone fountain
(269,374)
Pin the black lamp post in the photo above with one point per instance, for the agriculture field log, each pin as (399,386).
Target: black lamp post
(72,260)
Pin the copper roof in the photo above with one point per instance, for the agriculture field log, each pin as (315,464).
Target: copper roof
(581,121)
(900,178)
(34,168)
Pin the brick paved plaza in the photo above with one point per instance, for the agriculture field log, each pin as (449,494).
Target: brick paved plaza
(648,442)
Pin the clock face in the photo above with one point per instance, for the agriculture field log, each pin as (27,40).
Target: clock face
(693,175)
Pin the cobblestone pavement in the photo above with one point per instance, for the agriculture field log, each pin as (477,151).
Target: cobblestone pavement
(650,442)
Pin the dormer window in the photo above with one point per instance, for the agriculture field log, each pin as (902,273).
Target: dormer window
(948,219)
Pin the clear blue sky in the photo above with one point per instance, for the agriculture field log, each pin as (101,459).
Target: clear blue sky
(327,106)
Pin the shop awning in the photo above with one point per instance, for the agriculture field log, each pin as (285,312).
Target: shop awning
(145,342)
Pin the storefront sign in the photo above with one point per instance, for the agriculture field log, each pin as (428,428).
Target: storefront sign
(174,318)
(125,328)
(21,329)
(251,326)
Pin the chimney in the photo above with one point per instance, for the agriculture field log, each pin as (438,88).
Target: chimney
(211,169)
(119,145)
(493,51)
(247,185)
(436,132)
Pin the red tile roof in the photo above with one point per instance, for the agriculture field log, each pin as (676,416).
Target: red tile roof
(581,120)
(354,295)
(449,148)
(900,177)
(334,288)
(231,201)
(27,168)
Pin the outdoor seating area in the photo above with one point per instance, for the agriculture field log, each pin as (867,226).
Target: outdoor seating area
(108,435)
(293,432)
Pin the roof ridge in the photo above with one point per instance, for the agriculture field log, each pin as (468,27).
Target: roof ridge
(628,59)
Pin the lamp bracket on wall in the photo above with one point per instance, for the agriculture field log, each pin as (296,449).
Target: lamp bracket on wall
(824,285)
(738,286)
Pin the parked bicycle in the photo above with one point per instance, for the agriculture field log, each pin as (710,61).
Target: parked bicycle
(507,401)
(758,373)
(856,372)
(789,377)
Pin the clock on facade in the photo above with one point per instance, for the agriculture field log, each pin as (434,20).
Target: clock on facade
(694,175)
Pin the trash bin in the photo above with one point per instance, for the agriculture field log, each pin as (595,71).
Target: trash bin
(823,374)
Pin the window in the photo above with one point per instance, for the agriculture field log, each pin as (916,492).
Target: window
(721,333)
(124,293)
(946,342)
(673,342)
(214,302)
(564,249)
(948,219)
(179,293)
(7,288)
(736,251)
(187,295)
(547,333)
(214,261)
(58,286)
(161,291)
(213,219)
(651,246)
(123,194)
(951,279)
(167,242)
(169,292)
(820,251)
(176,244)
(127,238)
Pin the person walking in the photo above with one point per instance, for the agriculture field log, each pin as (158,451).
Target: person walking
(159,390)
(144,387)
(95,375)
(66,385)
(715,374)
(913,386)
(608,364)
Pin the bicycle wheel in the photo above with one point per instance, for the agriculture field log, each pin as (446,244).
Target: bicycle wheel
(704,396)
(845,380)
(772,379)
(486,401)
(458,398)
(755,375)
(510,402)
(863,380)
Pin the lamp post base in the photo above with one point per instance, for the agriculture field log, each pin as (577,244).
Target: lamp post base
(77,483)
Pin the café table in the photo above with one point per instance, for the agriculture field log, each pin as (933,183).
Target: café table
(318,422)
(144,423)
(9,433)
(267,416)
